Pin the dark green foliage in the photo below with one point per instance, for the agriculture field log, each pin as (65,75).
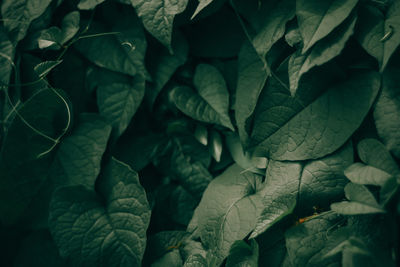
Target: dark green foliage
(199,133)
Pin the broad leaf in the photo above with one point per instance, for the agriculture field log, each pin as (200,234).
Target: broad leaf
(279,195)
(196,261)
(251,80)
(318,18)
(44,68)
(105,230)
(377,31)
(243,254)
(222,219)
(118,97)
(322,180)
(325,50)
(158,17)
(172,258)
(27,151)
(17,15)
(78,158)
(211,101)
(335,116)
(386,113)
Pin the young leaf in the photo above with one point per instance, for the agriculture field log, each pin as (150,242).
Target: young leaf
(201,134)
(158,17)
(102,231)
(386,113)
(78,158)
(359,173)
(222,219)
(17,15)
(317,19)
(196,260)
(335,116)
(379,33)
(325,50)
(242,254)
(216,145)
(210,103)
(251,80)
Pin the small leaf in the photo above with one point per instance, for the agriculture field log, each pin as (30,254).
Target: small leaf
(196,261)
(106,230)
(45,67)
(317,19)
(355,208)
(359,173)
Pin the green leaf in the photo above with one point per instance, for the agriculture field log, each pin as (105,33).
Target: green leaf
(359,173)
(335,116)
(89,4)
(45,67)
(386,113)
(279,195)
(27,151)
(172,259)
(211,101)
(122,50)
(322,180)
(373,153)
(222,219)
(275,15)
(38,249)
(102,230)
(325,50)
(251,80)
(216,145)
(379,32)
(55,37)
(305,241)
(202,4)
(17,15)
(361,201)
(158,17)
(317,19)
(242,254)
(118,97)
(201,134)
(78,158)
